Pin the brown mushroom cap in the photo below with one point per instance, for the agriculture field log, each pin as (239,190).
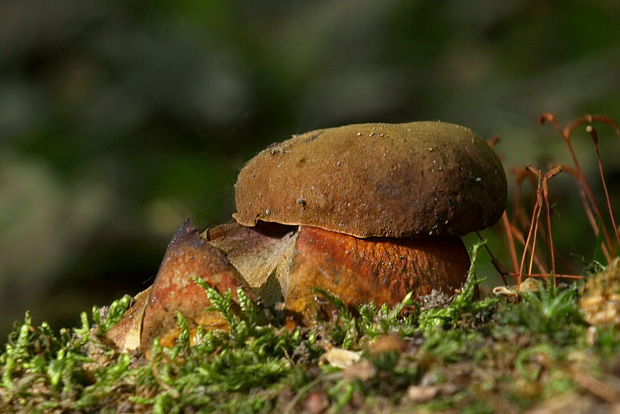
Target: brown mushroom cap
(384,180)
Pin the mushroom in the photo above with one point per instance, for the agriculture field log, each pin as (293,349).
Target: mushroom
(367,212)
(378,209)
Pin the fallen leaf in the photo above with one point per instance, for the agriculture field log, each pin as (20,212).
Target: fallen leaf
(529,285)
(126,333)
(154,313)
(340,358)
(256,252)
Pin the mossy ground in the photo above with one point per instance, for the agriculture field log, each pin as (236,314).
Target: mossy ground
(466,356)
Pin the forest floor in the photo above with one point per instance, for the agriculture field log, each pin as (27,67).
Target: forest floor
(547,349)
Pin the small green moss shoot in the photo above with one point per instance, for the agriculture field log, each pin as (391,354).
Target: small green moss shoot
(469,356)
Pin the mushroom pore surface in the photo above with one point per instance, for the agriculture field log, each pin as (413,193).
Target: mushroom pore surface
(376,180)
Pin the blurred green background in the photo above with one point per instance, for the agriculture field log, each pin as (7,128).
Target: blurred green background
(118,119)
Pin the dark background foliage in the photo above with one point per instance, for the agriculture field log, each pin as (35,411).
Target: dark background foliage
(118,119)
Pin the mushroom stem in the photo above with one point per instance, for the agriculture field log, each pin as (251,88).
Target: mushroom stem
(379,270)
(288,262)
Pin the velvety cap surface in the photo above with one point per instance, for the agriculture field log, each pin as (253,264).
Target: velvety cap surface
(376,180)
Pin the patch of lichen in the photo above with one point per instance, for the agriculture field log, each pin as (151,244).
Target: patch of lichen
(600,297)
(467,356)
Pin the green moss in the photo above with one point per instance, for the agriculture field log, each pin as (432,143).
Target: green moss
(469,355)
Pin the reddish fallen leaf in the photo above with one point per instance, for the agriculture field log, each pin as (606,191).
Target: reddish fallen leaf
(188,255)
(126,334)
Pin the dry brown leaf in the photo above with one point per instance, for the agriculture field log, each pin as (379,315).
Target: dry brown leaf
(126,333)
(154,312)
(256,253)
